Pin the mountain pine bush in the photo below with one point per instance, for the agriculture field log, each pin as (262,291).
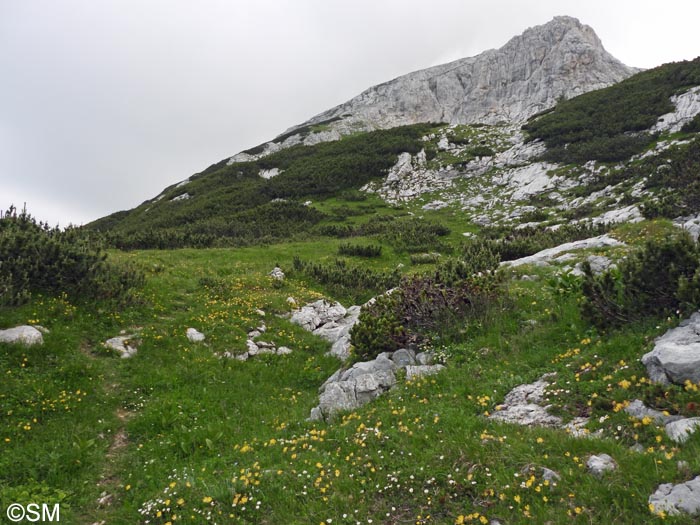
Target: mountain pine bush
(460,289)
(35,258)
(663,278)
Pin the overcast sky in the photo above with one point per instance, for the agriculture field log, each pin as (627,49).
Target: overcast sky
(103,103)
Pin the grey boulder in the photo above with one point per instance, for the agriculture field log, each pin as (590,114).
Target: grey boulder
(123,345)
(677,499)
(599,465)
(676,354)
(26,335)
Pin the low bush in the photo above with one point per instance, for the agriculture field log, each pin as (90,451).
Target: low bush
(360,250)
(35,258)
(343,279)
(413,235)
(458,290)
(512,243)
(425,258)
(663,278)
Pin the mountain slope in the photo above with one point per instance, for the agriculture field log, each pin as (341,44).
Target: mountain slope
(562,58)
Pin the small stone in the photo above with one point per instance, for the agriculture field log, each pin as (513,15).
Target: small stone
(676,354)
(283,350)
(413,372)
(550,475)
(637,447)
(123,345)
(195,336)
(316,414)
(253,334)
(260,312)
(424,358)
(243,357)
(599,465)
(277,273)
(252,347)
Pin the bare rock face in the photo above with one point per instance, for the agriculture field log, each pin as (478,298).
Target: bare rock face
(562,58)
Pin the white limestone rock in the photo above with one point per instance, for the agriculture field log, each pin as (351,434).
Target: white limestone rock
(599,465)
(687,106)
(562,58)
(629,213)
(676,354)
(26,335)
(195,336)
(124,345)
(268,174)
(416,371)
(681,430)
(277,274)
(544,256)
(691,224)
(683,498)
(522,406)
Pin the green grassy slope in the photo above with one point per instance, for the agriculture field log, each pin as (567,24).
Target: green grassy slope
(178,435)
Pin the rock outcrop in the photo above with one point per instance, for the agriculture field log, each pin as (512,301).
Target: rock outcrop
(683,498)
(543,257)
(562,58)
(331,321)
(676,354)
(348,389)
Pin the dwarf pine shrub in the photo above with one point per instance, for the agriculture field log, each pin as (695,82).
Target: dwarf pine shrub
(662,278)
(35,258)
(458,290)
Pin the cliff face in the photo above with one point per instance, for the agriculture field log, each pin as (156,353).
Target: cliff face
(562,58)
(527,75)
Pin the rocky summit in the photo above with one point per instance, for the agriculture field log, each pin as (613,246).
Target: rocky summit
(560,59)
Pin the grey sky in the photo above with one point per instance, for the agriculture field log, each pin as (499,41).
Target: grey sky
(103,103)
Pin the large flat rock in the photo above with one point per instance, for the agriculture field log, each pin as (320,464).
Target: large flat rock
(676,354)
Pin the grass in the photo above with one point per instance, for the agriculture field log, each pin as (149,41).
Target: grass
(178,435)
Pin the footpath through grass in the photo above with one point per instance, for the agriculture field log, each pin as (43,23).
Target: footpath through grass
(179,435)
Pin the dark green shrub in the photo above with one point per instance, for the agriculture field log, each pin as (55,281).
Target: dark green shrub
(692,126)
(343,279)
(514,243)
(335,230)
(352,196)
(660,279)
(481,151)
(606,124)
(360,250)
(425,258)
(379,329)
(37,259)
(459,290)
(413,235)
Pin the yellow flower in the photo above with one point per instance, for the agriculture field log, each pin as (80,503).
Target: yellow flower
(206,499)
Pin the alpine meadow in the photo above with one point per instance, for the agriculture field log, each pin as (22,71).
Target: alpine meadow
(470,294)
